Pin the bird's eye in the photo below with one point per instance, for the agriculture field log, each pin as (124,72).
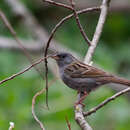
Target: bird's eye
(63,56)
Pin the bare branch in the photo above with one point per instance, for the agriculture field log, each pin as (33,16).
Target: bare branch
(79,24)
(33,111)
(79,108)
(79,117)
(21,72)
(93,110)
(99,28)
(116,5)
(68,123)
(34,101)
(58,4)
(46,78)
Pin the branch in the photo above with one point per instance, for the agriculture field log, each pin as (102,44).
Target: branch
(34,101)
(58,4)
(25,70)
(79,24)
(33,111)
(79,117)
(93,110)
(116,6)
(68,123)
(79,108)
(99,28)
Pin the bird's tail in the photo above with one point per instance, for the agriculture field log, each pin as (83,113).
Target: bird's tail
(119,80)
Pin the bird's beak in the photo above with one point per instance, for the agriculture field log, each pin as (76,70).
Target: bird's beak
(55,57)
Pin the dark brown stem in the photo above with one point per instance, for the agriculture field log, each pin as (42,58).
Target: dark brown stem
(33,105)
(58,4)
(79,24)
(34,102)
(25,70)
(93,110)
(68,123)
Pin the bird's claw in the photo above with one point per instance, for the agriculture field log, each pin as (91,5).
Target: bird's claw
(79,103)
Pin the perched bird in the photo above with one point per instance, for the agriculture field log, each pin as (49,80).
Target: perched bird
(83,77)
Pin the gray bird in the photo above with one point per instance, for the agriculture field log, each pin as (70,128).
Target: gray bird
(83,77)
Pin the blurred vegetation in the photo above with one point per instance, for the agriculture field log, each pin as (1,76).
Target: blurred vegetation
(112,54)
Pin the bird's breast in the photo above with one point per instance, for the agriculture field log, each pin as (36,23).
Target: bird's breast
(82,84)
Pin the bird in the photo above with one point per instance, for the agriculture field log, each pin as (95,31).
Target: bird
(83,77)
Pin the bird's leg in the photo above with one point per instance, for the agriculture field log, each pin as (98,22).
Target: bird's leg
(81,98)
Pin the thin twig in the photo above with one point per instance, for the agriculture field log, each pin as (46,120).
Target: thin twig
(79,24)
(33,111)
(14,34)
(93,110)
(25,70)
(46,78)
(34,101)
(68,123)
(58,4)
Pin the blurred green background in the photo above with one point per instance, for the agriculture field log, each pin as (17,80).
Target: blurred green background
(112,54)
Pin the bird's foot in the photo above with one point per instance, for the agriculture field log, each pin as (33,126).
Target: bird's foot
(77,103)
(81,100)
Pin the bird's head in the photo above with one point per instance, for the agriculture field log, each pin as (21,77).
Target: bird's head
(63,59)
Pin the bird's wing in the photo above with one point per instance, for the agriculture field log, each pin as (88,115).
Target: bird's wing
(80,70)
